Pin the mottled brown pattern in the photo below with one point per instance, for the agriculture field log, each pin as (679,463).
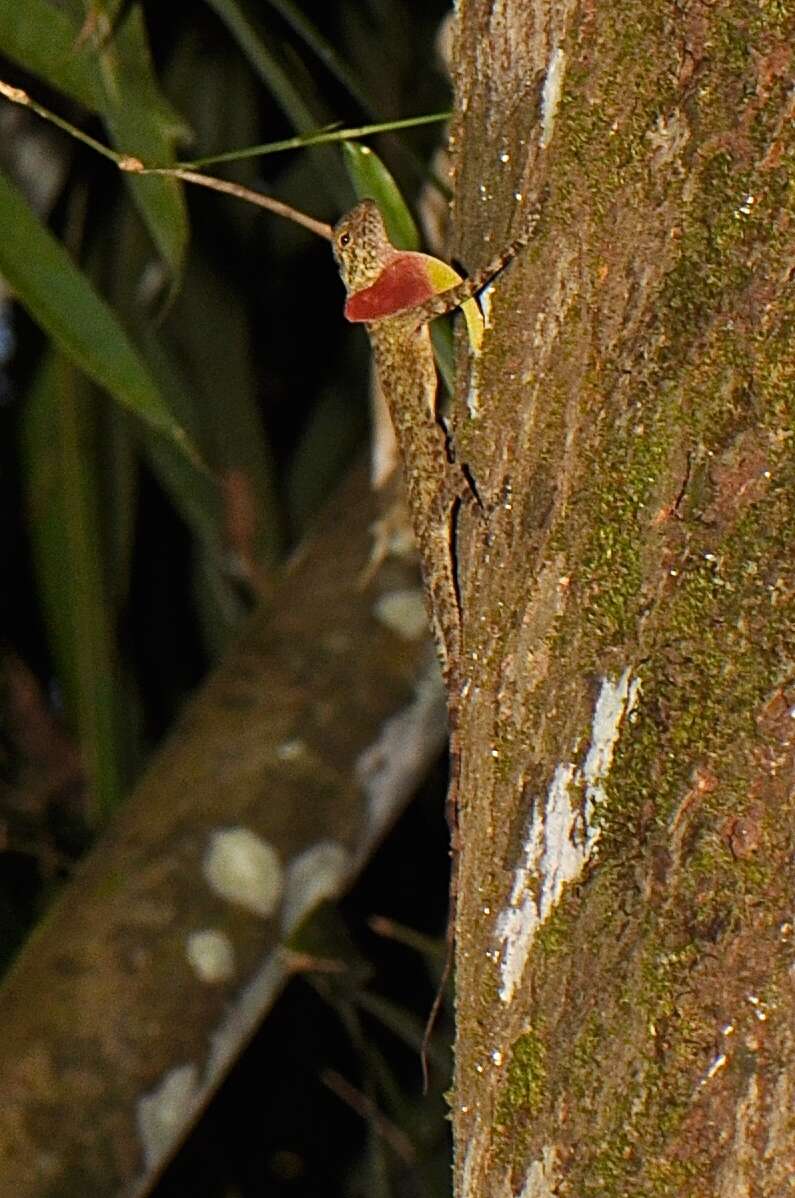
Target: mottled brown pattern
(434,484)
(407,372)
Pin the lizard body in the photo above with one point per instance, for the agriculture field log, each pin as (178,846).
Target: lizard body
(396,294)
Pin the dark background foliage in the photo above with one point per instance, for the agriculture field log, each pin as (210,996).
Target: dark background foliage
(122,581)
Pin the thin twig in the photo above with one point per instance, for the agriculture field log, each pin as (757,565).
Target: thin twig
(132,165)
(330,133)
(135,166)
(17,96)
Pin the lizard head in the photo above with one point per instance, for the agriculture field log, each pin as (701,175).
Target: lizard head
(361,246)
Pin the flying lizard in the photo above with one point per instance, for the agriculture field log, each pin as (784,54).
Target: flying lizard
(396,294)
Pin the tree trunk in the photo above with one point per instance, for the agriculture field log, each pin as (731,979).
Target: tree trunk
(625,929)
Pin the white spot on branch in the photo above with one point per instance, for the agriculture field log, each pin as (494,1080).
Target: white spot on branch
(163,1113)
(550,859)
(211,955)
(292,750)
(391,767)
(245,869)
(473,391)
(316,874)
(242,1016)
(404,613)
(474,1149)
(484,300)
(562,834)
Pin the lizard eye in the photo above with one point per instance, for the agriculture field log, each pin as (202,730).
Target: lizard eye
(344,240)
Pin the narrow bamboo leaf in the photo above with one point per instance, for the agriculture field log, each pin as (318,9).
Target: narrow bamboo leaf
(118,83)
(371,178)
(276,79)
(41,37)
(377,1167)
(143,125)
(442,340)
(120,459)
(61,300)
(265,64)
(200,502)
(341,71)
(404,1024)
(195,495)
(323,48)
(333,433)
(210,333)
(62,472)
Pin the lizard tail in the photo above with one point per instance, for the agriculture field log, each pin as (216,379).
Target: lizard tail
(434,1013)
(451,808)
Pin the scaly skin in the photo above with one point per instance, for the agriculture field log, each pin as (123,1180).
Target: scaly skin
(404,358)
(396,294)
(407,373)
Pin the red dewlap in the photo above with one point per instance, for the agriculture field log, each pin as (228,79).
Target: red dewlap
(403,283)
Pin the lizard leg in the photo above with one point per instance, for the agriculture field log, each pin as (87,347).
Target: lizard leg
(454,297)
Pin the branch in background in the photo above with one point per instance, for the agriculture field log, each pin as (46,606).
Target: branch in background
(161,957)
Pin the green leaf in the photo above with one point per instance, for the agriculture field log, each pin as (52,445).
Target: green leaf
(62,301)
(143,125)
(62,473)
(41,37)
(276,79)
(213,343)
(273,75)
(370,178)
(117,82)
(333,433)
(325,51)
(442,340)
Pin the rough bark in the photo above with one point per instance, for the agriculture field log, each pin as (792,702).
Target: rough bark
(625,940)
(147,978)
